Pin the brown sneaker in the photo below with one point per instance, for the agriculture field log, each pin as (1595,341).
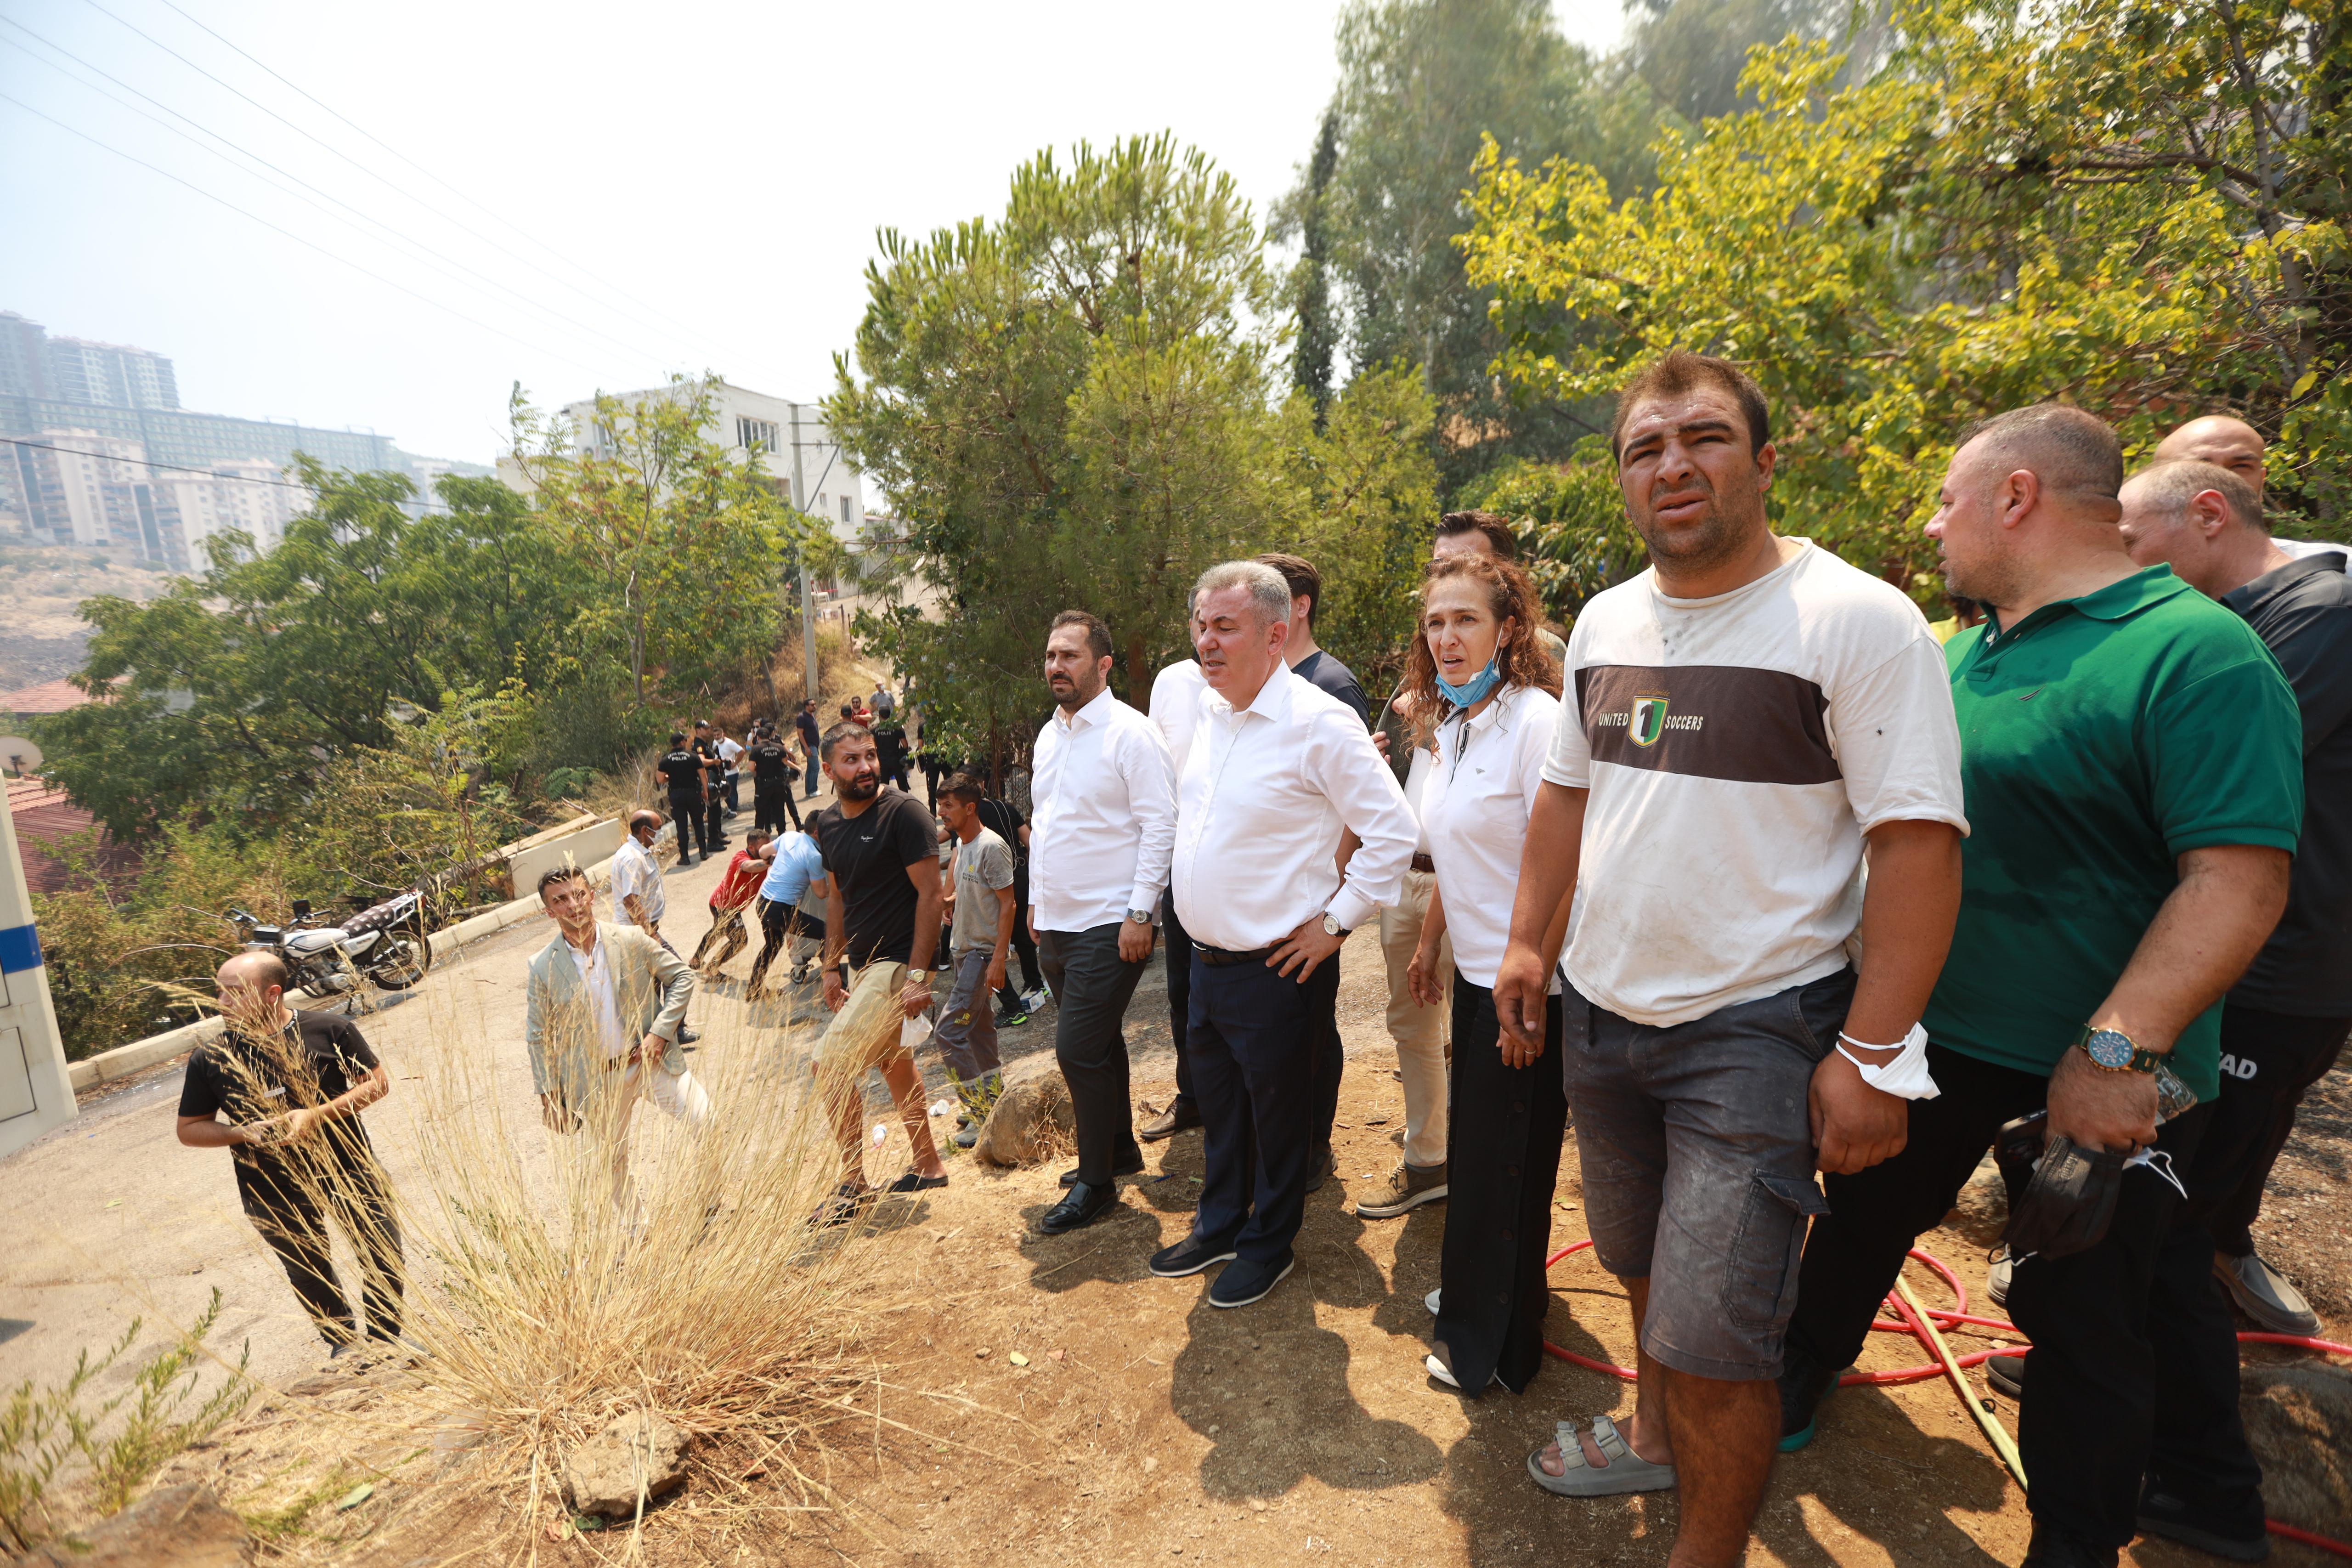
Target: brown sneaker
(1408,1187)
(1168,1122)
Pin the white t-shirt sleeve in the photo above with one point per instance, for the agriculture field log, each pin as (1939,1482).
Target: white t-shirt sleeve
(1571,760)
(1896,740)
(1536,743)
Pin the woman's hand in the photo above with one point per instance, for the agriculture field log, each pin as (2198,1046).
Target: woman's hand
(1421,978)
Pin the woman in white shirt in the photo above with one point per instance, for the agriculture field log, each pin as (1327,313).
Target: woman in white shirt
(1482,684)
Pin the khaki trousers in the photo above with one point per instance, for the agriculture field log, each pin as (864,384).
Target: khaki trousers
(1419,1032)
(678,1096)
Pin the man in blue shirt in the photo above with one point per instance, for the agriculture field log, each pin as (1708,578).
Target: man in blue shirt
(796,877)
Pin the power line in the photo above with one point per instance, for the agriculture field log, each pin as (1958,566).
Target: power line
(275,228)
(419,250)
(141,462)
(346,157)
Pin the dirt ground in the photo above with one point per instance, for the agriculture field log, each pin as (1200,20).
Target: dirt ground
(1139,1425)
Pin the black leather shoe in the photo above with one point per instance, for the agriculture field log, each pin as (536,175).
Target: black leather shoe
(2052,1548)
(1130,1166)
(1241,1283)
(1319,1166)
(2007,1375)
(2241,1540)
(1176,1119)
(1190,1256)
(1082,1206)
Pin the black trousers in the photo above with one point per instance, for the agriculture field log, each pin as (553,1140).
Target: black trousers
(693,821)
(772,805)
(1254,1037)
(2086,1428)
(1502,1162)
(1180,994)
(714,813)
(726,929)
(777,924)
(2269,1062)
(1092,986)
(1024,946)
(732,780)
(290,1207)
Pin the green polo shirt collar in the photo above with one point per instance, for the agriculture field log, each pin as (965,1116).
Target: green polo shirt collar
(2124,596)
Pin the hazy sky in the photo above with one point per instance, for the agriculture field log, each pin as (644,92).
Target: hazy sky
(629,190)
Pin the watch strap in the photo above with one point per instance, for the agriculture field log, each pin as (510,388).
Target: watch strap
(2142,1059)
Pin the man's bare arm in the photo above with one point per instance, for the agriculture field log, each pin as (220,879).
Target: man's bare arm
(1908,908)
(2208,929)
(1547,877)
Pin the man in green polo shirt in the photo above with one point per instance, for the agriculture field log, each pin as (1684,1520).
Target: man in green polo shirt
(2132,761)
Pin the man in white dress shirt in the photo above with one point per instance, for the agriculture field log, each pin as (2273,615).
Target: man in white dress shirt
(1276,773)
(1104,796)
(1176,694)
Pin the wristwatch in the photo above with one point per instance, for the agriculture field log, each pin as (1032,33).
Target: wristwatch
(1141,917)
(1332,926)
(2112,1050)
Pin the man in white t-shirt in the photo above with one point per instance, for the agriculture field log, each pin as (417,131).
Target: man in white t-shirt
(1743,717)
(637,898)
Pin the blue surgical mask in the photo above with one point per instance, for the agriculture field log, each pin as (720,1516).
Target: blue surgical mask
(1472,692)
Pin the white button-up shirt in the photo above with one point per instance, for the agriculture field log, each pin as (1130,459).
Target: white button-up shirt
(634,871)
(595,967)
(1176,706)
(1264,797)
(1103,823)
(1486,773)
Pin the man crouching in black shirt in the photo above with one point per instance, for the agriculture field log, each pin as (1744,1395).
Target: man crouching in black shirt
(293,1085)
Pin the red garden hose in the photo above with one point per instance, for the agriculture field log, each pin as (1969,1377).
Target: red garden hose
(1930,1369)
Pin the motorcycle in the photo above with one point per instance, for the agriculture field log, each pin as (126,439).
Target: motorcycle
(384,944)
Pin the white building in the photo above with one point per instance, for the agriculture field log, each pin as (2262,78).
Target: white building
(790,440)
(100,492)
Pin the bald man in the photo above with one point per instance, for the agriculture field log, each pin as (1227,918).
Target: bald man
(2227,442)
(292,1085)
(2132,759)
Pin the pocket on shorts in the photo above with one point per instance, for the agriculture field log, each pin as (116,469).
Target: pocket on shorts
(1819,1007)
(1759,1267)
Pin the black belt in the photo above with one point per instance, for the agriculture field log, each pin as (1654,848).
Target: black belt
(1218,957)
(1423,863)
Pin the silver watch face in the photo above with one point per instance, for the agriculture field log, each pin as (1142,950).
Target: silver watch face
(1332,926)
(2109,1048)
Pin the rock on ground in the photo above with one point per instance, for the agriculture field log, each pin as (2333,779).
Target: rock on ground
(1030,1122)
(2299,1421)
(603,1473)
(177,1527)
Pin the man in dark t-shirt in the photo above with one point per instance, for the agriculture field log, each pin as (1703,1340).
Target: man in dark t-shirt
(292,1085)
(882,902)
(682,773)
(1308,659)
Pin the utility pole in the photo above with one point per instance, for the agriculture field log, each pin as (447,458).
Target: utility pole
(808,597)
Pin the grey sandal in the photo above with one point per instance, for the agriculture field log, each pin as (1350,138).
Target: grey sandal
(1626,1470)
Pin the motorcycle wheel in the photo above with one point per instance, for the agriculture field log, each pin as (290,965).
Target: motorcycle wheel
(404,963)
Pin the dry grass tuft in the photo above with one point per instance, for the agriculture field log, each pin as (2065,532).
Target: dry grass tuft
(544,1310)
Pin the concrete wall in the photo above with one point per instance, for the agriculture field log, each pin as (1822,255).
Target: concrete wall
(35,1093)
(589,847)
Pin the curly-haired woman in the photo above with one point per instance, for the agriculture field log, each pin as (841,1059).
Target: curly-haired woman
(1488,695)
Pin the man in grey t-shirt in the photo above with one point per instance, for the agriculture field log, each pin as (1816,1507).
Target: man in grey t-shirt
(981,931)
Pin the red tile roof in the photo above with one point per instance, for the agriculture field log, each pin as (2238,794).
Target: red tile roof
(48,696)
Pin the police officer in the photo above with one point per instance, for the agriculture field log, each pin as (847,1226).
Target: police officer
(714,792)
(682,767)
(772,783)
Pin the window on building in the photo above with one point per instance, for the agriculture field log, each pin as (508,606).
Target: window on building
(755,434)
(844,509)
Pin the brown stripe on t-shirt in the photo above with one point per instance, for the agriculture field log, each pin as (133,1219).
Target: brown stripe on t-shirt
(1707,721)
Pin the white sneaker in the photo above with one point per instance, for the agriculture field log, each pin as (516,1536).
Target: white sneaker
(1430,1300)
(1437,1368)
(1036,1000)
(1996,1278)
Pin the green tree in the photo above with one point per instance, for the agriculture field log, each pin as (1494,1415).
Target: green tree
(2134,207)
(230,691)
(1069,406)
(686,538)
(1420,81)
(1318,323)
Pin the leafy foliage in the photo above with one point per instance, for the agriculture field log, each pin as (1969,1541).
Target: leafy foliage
(2135,207)
(42,1430)
(1072,406)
